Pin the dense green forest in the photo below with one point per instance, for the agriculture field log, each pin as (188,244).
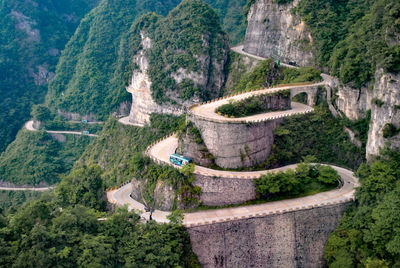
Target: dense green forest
(118,144)
(32,34)
(62,229)
(354,38)
(36,157)
(90,74)
(94,68)
(12,200)
(369,233)
(189,32)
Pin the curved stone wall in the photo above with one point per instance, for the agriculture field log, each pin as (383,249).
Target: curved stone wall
(217,191)
(291,239)
(235,144)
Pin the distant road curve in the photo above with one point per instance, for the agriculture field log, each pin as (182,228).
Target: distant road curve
(239,49)
(36,189)
(29,126)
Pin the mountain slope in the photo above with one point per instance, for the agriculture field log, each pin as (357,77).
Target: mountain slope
(89,76)
(32,34)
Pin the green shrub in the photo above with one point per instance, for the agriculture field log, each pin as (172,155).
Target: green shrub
(389,130)
(294,182)
(377,102)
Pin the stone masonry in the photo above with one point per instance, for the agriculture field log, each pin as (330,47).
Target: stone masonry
(292,239)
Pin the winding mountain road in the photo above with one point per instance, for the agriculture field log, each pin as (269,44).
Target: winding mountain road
(29,126)
(37,189)
(160,152)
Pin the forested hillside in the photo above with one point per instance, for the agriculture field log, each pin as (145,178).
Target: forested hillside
(32,35)
(90,75)
(354,38)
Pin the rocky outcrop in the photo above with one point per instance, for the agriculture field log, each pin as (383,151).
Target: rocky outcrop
(347,100)
(385,110)
(293,239)
(164,194)
(143,104)
(274,32)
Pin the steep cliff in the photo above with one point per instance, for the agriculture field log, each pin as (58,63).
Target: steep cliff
(385,113)
(177,60)
(32,34)
(274,31)
(91,75)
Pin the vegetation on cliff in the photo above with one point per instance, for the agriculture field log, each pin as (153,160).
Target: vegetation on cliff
(255,105)
(266,74)
(305,180)
(49,233)
(118,143)
(92,72)
(368,235)
(31,35)
(36,157)
(188,41)
(318,134)
(354,38)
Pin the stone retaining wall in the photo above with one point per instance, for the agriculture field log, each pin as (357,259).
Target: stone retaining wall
(224,191)
(237,145)
(291,239)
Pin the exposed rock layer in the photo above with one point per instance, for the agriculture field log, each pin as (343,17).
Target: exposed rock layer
(387,93)
(274,32)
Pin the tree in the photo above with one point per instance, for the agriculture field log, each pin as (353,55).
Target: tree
(41,113)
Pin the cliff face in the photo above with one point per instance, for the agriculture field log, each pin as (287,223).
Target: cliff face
(385,110)
(274,32)
(143,104)
(172,71)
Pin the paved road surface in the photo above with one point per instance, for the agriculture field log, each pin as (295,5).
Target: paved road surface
(29,126)
(39,189)
(121,196)
(125,121)
(239,49)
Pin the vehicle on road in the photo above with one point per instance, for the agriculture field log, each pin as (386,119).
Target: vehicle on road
(179,160)
(85,132)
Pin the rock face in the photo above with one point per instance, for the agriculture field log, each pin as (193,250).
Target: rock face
(347,100)
(293,239)
(196,150)
(235,145)
(163,194)
(387,90)
(274,32)
(143,104)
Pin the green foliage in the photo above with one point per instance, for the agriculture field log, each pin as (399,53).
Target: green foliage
(267,74)
(252,105)
(354,37)
(318,134)
(22,54)
(232,18)
(368,235)
(360,127)
(302,74)
(94,68)
(305,179)
(41,113)
(177,42)
(42,235)
(14,199)
(82,186)
(35,157)
(377,102)
(150,174)
(118,143)
(389,130)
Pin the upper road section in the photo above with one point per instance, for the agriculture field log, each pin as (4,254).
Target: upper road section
(29,126)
